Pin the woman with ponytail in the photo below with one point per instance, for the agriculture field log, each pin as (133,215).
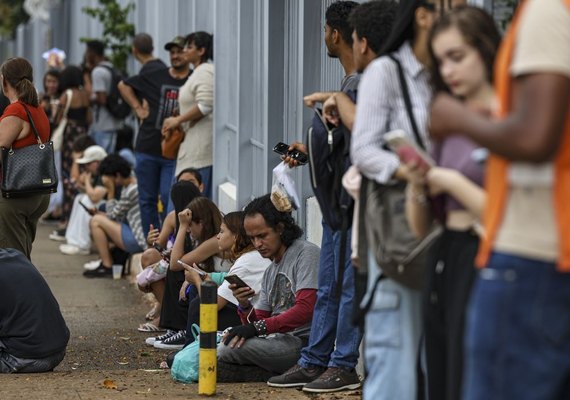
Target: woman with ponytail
(19,217)
(196,100)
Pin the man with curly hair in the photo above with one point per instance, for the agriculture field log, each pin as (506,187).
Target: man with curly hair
(277,326)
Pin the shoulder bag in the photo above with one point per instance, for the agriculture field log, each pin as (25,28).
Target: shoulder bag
(57,134)
(171,143)
(29,170)
(400,255)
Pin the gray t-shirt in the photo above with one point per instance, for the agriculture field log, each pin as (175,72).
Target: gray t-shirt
(297,270)
(102,118)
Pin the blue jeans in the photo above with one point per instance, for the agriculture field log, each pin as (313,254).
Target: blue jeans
(105,139)
(518,332)
(154,177)
(333,314)
(392,334)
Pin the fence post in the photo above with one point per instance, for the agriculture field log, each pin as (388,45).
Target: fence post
(208,331)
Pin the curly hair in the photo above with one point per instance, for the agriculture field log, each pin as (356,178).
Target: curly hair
(336,16)
(273,218)
(373,21)
(242,244)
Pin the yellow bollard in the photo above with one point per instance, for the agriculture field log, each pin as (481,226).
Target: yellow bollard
(208,331)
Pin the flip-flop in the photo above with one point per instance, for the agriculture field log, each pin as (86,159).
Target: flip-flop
(148,327)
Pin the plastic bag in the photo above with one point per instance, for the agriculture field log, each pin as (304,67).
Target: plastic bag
(283,194)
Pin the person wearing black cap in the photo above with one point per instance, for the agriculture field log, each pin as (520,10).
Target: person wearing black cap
(153,96)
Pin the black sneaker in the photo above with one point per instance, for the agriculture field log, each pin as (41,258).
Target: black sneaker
(296,376)
(174,342)
(100,272)
(334,380)
(228,373)
(151,340)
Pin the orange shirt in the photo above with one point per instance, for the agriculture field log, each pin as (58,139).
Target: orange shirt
(40,118)
(496,178)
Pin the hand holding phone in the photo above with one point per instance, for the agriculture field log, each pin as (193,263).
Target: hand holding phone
(191,268)
(236,280)
(295,155)
(90,211)
(408,151)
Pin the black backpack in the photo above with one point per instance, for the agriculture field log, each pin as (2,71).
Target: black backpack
(115,103)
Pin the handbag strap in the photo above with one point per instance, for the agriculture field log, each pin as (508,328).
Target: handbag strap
(31,120)
(407,101)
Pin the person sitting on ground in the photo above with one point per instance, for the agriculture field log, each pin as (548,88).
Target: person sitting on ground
(277,326)
(155,265)
(107,228)
(202,219)
(33,333)
(85,177)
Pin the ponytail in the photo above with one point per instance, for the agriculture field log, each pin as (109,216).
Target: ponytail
(18,72)
(27,92)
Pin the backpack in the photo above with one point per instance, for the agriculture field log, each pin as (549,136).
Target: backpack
(118,107)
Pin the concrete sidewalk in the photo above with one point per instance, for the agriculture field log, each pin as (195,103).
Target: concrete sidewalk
(102,315)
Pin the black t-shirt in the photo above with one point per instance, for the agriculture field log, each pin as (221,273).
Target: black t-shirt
(31,324)
(160,90)
(152,65)
(4,102)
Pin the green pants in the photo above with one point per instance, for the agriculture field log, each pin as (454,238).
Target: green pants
(19,219)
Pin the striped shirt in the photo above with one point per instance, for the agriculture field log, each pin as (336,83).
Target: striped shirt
(128,207)
(381,108)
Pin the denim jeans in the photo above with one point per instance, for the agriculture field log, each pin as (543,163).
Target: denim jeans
(391,339)
(276,352)
(332,315)
(154,177)
(105,139)
(518,332)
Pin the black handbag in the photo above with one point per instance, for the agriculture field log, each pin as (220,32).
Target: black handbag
(29,170)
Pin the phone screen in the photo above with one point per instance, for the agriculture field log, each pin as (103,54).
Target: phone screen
(281,148)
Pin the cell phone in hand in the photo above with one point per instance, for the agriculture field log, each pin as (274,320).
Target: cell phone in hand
(189,267)
(407,150)
(236,280)
(90,211)
(283,149)
(165,254)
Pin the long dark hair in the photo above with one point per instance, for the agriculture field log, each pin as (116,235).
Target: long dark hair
(182,193)
(18,72)
(273,218)
(242,244)
(204,211)
(479,31)
(202,40)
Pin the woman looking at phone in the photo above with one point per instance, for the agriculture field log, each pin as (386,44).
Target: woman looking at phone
(462,47)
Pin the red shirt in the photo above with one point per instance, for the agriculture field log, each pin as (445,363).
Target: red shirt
(40,121)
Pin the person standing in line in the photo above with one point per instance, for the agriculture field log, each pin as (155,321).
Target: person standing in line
(153,96)
(19,216)
(517,324)
(105,126)
(196,110)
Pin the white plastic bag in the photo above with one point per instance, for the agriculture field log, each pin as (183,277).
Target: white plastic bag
(283,194)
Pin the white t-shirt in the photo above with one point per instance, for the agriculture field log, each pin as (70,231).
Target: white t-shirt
(102,118)
(250,268)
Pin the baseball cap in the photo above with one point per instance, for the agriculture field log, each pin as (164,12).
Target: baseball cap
(92,153)
(179,41)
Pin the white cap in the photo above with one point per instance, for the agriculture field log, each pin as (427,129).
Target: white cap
(92,153)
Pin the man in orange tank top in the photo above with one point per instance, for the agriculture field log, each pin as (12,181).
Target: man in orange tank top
(518,326)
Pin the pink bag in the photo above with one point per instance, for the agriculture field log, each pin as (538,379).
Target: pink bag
(152,273)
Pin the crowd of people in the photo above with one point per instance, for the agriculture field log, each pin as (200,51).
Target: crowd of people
(459,133)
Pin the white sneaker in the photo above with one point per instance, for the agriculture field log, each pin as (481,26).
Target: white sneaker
(73,250)
(92,265)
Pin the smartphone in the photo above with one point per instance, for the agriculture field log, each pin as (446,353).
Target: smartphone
(90,211)
(399,142)
(199,271)
(236,280)
(283,149)
(165,254)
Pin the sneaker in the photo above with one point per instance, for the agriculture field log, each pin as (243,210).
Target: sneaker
(58,235)
(151,340)
(296,376)
(91,265)
(72,250)
(334,380)
(175,342)
(100,272)
(232,373)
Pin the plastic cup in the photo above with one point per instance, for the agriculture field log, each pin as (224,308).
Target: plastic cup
(117,271)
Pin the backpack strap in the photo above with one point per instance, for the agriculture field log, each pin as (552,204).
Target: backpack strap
(407,101)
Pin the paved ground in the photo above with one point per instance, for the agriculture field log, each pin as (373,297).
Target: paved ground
(102,315)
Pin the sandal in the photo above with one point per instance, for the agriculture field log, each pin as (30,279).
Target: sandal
(148,327)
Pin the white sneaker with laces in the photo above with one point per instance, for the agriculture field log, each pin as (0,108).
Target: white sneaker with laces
(152,340)
(73,250)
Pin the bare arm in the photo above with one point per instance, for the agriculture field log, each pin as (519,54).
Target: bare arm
(455,184)
(128,94)
(192,115)
(11,128)
(418,213)
(531,132)
(340,108)
(201,253)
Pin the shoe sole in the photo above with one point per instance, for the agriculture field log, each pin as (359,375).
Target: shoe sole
(163,346)
(287,385)
(352,386)
(57,238)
